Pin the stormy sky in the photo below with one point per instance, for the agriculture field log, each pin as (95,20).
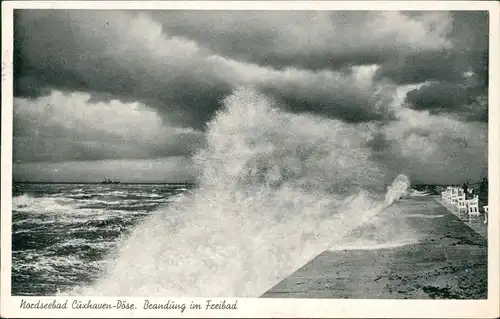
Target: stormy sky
(128,94)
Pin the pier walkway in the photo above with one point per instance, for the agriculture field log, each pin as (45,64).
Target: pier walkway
(414,249)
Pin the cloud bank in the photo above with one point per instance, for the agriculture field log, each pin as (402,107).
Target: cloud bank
(94,85)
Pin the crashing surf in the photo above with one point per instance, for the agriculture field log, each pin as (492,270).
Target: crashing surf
(274,190)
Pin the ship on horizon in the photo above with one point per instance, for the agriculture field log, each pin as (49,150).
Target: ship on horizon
(109,181)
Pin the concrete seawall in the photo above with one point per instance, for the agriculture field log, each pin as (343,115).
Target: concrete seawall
(415,249)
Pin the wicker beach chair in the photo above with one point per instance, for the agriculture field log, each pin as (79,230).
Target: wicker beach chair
(454,196)
(444,194)
(448,192)
(461,204)
(473,206)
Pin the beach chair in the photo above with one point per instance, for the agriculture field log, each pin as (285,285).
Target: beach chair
(485,214)
(449,193)
(473,206)
(461,204)
(454,194)
(445,193)
(454,197)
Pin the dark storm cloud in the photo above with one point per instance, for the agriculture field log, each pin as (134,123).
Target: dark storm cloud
(439,97)
(181,64)
(423,66)
(468,51)
(305,39)
(128,56)
(469,103)
(350,108)
(309,39)
(425,46)
(62,127)
(457,75)
(461,71)
(85,51)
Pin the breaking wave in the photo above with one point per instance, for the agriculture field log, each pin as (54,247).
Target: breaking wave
(41,205)
(399,188)
(275,189)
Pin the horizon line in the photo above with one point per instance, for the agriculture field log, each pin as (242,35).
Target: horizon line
(193,183)
(52,182)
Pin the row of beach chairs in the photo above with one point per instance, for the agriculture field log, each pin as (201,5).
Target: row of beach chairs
(455,197)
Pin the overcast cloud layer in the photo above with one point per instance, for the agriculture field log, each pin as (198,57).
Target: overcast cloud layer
(129,85)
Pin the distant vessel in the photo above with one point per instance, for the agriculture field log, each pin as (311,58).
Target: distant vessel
(109,181)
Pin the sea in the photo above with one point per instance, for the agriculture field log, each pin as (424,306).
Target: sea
(273,190)
(62,234)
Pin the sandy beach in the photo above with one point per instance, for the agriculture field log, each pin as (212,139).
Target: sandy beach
(414,249)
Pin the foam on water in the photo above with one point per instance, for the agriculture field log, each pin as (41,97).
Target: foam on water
(399,188)
(373,245)
(27,203)
(71,212)
(417,193)
(62,232)
(423,216)
(275,189)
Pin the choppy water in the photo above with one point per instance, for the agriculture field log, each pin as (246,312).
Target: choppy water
(274,190)
(63,235)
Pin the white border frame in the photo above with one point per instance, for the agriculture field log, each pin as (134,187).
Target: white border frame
(265,307)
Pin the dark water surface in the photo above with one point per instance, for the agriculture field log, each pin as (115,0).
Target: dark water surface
(63,234)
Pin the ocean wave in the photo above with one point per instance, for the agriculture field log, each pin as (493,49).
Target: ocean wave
(275,189)
(78,208)
(75,219)
(42,205)
(76,243)
(38,261)
(417,193)
(61,269)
